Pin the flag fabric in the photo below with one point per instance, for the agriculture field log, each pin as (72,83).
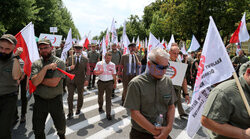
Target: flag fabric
(67,46)
(183,50)
(153,43)
(163,43)
(194,45)
(125,40)
(137,42)
(170,42)
(114,38)
(215,66)
(241,33)
(86,43)
(133,40)
(107,38)
(26,39)
(146,43)
(104,48)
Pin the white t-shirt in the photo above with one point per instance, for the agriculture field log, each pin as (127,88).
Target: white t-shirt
(109,70)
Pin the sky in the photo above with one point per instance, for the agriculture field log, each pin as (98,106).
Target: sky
(94,16)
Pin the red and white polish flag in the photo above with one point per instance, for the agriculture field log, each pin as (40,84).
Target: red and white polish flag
(26,40)
(241,33)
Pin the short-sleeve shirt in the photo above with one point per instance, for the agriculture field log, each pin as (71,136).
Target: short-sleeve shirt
(93,56)
(43,91)
(225,105)
(109,70)
(151,97)
(7,83)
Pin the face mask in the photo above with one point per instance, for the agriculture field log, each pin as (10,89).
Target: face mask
(4,56)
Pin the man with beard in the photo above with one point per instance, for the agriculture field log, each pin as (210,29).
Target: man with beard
(10,72)
(150,95)
(49,89)
(129,68)
(79,67)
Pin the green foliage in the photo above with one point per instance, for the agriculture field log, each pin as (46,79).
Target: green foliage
(16,14)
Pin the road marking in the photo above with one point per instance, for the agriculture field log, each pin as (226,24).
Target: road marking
(85,123)
(111,129)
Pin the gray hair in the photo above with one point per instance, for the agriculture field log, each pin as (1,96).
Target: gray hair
(158,52)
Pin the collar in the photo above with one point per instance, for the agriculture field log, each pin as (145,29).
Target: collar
(244,84)
(151,78)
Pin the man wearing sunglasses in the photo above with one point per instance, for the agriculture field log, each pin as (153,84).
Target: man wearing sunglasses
(174,52)
(150,95)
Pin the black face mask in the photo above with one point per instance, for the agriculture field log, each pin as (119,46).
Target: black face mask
(4,56)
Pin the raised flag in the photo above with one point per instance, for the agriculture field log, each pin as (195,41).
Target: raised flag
(67,46)
(194,45)
(125,40)
(104,48)
(107,38)
(183,50)
(86,43)
(170,42)
(241,33)
(26,39)
(215,66)
(114,38)
(163,43)
(133,40)
(153,43)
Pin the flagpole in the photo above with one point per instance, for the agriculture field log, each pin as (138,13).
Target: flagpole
(241,92)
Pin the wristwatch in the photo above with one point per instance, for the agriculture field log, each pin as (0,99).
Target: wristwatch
(17,57)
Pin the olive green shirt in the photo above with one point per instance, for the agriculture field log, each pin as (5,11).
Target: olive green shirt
(151,97)
(239,59)
(225,105)
(93,56)
(43,91)
(59,52)
(7,83)
(243,68)
(116,57)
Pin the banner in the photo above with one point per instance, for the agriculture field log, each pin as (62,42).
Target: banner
(55,39)
(176,72)
(215,66)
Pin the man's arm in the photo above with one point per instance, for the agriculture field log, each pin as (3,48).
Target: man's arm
(185,90)
(38,78)
(225,129)
(16,69)
(165,130)
(51,82)
(143,122)
(114,77)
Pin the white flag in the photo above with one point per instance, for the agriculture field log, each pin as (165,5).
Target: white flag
(146,42)
(67,46)
(125,40)
(183,50)
(243,34)
(114,38)
(104,49)
(137,42)
(170,42)
(194,45)
(153,43)
(215,66)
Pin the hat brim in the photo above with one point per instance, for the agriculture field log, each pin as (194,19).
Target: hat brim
(7,39)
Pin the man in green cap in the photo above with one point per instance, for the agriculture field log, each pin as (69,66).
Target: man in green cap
(10,72)
(225,114)
(77,64)
(49,89)
(151,95)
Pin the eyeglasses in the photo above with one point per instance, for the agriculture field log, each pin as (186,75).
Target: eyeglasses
(160,67)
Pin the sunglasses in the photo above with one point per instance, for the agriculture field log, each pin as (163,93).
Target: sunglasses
(160,67)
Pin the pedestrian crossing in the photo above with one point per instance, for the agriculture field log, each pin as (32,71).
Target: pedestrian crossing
(91,124)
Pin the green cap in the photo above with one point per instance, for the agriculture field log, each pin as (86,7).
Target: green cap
(44,41)
(9,38)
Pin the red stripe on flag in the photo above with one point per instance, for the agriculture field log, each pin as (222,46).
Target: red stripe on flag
(25,57)
(235,36)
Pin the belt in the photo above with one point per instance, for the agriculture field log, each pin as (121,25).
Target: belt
(9,95)
(106,81)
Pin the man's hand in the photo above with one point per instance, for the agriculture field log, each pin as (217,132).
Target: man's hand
(247,133)
(114,86)
(187,99)
(72,67)
(86,83)
(164,132)
(51,66)
(18,52)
